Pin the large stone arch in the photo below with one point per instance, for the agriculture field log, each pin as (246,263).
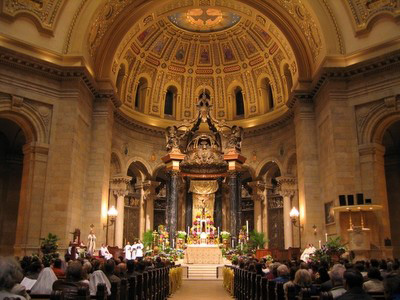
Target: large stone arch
(141,164)
(30,118)
(260,170)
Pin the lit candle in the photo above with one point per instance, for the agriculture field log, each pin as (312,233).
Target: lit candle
(232,243)
(247,229)
(326,237)
(173,244)
(319,243)
(188,230)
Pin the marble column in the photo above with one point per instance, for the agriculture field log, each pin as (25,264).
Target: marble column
(149,188)
(287,188)
(218,206)
(119,187)
(142,209)
(308,177)
(173,204)
(234,203)
(258,188)
(189,206)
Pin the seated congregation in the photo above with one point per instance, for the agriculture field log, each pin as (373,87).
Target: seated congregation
(250,278)
(90,278)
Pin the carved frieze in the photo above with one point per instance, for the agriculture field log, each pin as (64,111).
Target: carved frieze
(363,12)
(44,13)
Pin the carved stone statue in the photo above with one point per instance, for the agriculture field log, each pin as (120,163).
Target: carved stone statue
(235,138)
(172,139)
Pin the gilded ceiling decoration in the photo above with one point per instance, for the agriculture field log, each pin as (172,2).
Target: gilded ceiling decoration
(204,19)
(363,11)
(42,12)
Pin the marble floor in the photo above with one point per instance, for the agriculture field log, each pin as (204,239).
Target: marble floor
(200,290)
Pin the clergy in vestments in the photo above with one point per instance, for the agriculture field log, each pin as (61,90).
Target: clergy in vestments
(105,253)
(307,253)
(128,251)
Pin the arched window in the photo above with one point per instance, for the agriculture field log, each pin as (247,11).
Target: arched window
(239,102)
(170,96)
(120,78)
(141,91)
(267,95)
(288,77)
(270,97)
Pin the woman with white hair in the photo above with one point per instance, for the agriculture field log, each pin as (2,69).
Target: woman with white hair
(44,283)
(10,275)
(98,277)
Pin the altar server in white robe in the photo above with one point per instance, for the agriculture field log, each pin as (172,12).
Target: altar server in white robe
(105,253)
(133,250)
(128,251)
(139,250)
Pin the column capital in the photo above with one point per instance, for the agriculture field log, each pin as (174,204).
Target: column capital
(258,188)
(371,149)
(119,185)
(287,185)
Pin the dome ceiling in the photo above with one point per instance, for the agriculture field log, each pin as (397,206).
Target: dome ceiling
(217,49)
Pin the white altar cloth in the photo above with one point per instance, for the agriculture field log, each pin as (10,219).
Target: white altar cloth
(203,254)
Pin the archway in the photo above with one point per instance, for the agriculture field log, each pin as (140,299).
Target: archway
(12,140)
(391,141)
(275,224)
(160,202)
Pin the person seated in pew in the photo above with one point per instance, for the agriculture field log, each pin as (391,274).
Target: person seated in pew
(374,283)
(120,270)
(95,279)
(283,274)
(73,281)
(109,268)
(302,279)
(10,275)
(353,281)
(44,283)
(57,268)
(336,283)
(392,282)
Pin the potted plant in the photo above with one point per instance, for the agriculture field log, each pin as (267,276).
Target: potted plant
(148,239)
(49,247)
(335,248)
(257,240)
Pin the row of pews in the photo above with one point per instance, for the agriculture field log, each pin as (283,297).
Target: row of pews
(153,284)
(245,285)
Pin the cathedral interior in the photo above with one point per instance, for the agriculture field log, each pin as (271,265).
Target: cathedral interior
(310,90)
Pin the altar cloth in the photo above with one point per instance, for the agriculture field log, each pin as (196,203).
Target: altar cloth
(203,254)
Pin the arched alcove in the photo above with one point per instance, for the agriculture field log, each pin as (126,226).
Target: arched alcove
(170,102)
(141,93)
(12,140)
(120,79)
(391,142)
(239,102)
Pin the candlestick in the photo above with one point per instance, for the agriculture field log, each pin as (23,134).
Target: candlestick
(173,244)
(232,244)
(326,237)
(319,243)
(188,230)
(247,229)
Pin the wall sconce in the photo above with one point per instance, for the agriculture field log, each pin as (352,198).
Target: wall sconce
(294,216)
(112,215)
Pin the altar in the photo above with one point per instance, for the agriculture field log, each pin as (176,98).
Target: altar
(203,254)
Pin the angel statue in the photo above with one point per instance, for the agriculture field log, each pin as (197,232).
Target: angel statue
(235,138)
(172,139)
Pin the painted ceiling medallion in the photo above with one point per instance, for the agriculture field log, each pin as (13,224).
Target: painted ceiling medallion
(204,19)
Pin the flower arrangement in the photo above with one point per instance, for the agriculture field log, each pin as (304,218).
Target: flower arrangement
(181,234)
(268,258)
(225,235)
(332,250)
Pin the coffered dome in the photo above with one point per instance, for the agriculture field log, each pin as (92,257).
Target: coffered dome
(235,54)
